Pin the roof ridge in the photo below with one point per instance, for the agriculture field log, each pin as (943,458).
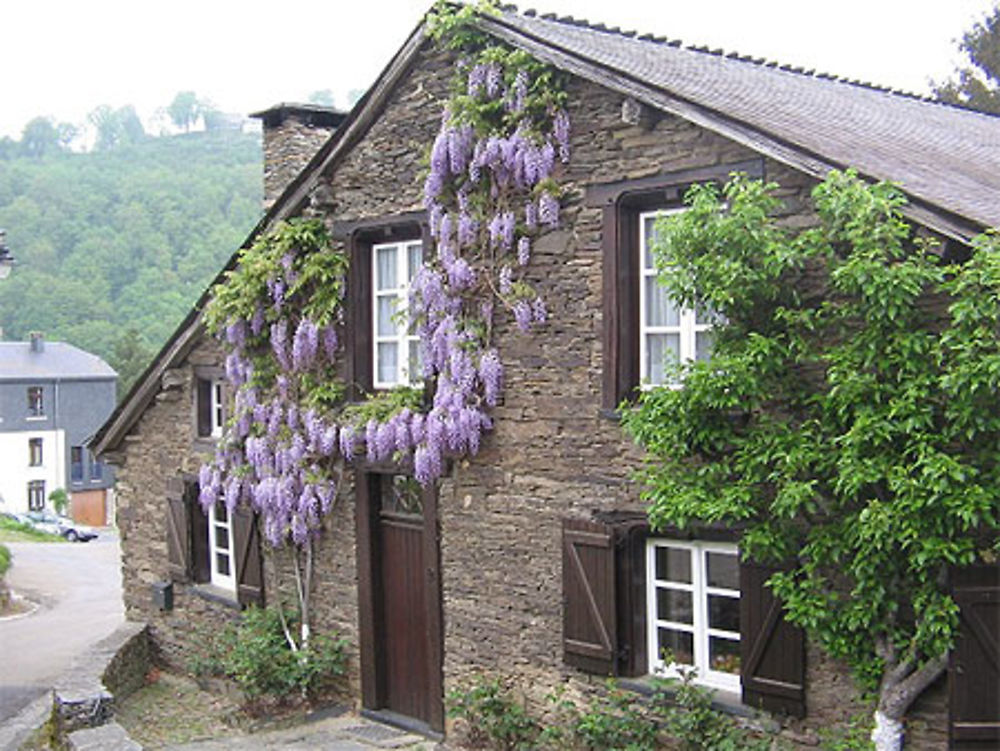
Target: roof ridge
(737,56)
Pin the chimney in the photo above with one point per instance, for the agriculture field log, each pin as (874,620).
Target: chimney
(293,133)
(37,341)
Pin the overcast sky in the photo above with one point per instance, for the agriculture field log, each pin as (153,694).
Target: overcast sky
(62,58)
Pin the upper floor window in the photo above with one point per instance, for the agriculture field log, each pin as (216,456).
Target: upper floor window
(34,452)
(36,495)
(96,468)
(36,407)
(668,333)
(396,350)
(76,463)
(210,407)
(693,610)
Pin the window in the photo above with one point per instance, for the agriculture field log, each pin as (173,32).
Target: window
(693,610)
(36,495)
(220,547)
(34,452)
(396,351)
(210,407)
(639,331)
(76,464)
(667,332)
(628,596)
(96,468)
(36,407)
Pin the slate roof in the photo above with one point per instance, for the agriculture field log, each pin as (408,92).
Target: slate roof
(57,360)
(941,154)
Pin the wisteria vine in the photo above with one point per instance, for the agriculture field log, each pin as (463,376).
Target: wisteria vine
(489,192)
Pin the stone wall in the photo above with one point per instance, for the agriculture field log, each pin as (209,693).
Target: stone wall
(288,147)
(551,454)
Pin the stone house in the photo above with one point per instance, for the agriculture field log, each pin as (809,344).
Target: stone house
(53,396)
(532,559)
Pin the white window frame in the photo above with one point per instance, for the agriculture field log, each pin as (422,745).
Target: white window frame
(218,407)
(699,627)
(215,549)
(403,338)
(36,488)
(687,329)
(36,407)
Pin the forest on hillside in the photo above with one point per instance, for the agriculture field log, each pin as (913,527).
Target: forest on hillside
(116,244)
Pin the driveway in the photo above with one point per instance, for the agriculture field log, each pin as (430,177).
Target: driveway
(78,590)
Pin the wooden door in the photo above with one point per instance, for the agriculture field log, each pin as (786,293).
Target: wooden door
(399,597)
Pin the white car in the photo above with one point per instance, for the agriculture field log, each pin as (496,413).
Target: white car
(59,525)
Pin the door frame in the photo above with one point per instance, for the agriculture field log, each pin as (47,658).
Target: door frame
(370,620)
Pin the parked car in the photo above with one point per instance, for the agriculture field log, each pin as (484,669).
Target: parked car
(60,525)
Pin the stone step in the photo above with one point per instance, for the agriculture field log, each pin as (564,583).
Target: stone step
(109,737)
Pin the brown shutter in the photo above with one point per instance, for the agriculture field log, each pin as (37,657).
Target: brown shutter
(178,535)
(589,633)
(203,397)
(974,663)
(772,651)
(249,571)
(200,564)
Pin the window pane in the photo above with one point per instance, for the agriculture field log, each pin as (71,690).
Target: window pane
(385,271)
(724,613)
(414,362)
(673,564)
(222,538)
(414,259)
(649,234)
(387,358)
(703,345)
(222,563)
(658,348)
(386,308)
(400,494)
(723,570)
(660,310)
(724,655)
(221,512)
(680,645)
(674,605)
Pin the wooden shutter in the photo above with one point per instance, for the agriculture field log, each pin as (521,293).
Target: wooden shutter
(200,563)
(772,651)
(203,407)
(249,569)
(589,633)
(178,535)
(974,663)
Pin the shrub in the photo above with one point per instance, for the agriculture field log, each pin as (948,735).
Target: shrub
(493,718)
(4,560)
(254,653)
(615,720)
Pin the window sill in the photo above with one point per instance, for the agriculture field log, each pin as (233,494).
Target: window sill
(727,702)
(37,418)
(215,594)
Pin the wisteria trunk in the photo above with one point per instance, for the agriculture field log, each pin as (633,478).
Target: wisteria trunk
(902,682)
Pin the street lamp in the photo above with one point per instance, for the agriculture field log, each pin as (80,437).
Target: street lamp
(6,259)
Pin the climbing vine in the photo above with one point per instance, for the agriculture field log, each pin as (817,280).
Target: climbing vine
(489,192)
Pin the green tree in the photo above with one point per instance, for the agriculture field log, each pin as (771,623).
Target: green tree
(129,357)
(39,138)
(324,97)
(977,85)
(116,127)
(184,110)
(846,421)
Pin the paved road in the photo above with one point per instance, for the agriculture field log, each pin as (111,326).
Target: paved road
(78,589)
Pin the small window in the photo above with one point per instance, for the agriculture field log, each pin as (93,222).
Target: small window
(693,610)
(34,452)
(396,350)
(36,495)
(210,407)
(220,547)
(668,333)
(96,468)
(36,407)
(76,464)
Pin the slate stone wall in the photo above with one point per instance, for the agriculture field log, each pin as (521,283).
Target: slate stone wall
(288,147)
(551,454)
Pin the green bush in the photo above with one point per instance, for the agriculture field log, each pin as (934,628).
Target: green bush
(615,720)
(493,718)
(254,653)
(4,560)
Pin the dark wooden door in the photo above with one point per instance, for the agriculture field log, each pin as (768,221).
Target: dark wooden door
(404,616)
(400,598)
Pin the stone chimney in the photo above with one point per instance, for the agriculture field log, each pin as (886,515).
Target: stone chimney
(37,341)
(293,133)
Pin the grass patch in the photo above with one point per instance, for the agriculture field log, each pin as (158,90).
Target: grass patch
(15,531)
(173,709)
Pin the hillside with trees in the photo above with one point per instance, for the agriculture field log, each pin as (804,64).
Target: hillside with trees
(114,245)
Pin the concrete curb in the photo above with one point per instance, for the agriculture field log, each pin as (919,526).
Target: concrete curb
(18,728)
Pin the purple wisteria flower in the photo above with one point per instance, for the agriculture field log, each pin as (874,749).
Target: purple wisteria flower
(523,251)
